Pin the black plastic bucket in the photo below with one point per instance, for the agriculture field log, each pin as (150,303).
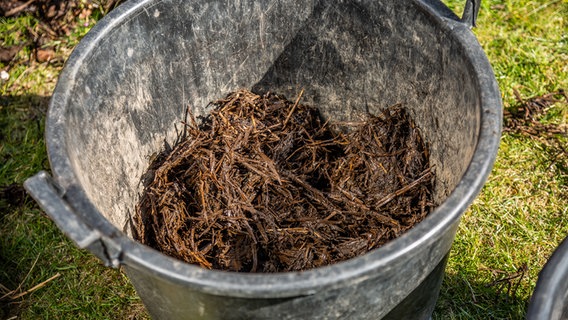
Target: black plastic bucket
(125,88)
(550,298)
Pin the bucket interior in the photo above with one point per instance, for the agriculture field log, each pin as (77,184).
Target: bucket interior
(136,73)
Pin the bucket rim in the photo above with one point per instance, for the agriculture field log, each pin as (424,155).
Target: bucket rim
(276,285)
(548,300)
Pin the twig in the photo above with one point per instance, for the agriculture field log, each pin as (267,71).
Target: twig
(511,282)
(19,8)
(388,198)
(314,193)
(22,282)
(293,107)
(36,287)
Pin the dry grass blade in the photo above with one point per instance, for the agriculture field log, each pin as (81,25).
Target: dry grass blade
(16,294)
(36,287)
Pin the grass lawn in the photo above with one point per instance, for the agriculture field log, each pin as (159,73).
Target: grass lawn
(503,241)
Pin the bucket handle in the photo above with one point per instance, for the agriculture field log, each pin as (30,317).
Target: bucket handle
(50,198)
(470,12)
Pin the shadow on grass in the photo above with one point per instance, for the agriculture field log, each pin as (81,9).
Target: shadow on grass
(464,297)
(22,152)
(22,147)
(42,274)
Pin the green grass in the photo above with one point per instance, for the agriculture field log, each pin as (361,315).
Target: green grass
(521,214)
(517,220)
(32,249)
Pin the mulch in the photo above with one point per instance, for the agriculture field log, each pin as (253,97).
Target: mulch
(265,185)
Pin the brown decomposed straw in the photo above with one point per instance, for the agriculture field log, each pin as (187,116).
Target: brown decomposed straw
(266,185)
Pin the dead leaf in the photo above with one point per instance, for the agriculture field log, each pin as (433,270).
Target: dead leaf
(44,55)
(8,53)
